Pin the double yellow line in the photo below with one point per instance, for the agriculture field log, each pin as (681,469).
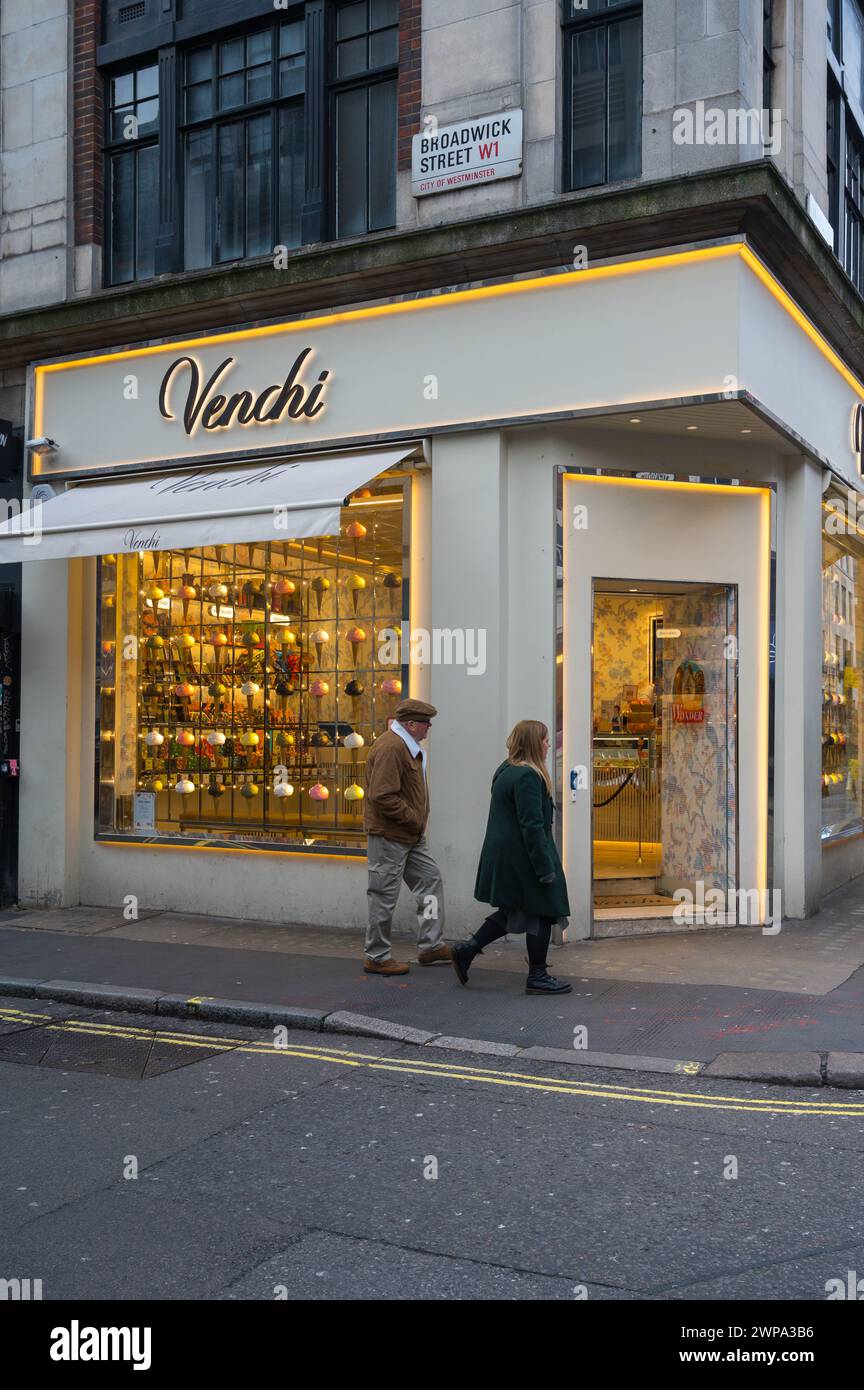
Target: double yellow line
(445,1071)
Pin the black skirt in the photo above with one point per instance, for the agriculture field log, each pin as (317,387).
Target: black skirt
(519,923)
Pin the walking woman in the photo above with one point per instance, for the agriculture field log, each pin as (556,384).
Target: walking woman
(520,873)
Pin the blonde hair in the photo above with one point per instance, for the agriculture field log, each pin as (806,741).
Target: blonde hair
(525,748)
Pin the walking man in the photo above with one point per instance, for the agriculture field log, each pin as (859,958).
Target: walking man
(396,810)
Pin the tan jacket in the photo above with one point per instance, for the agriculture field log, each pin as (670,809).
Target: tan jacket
(397,795)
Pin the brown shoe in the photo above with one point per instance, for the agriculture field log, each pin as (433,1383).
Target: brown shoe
(438,954)
(385,967)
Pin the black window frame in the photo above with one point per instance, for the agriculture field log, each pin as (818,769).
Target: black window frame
(845,146)
(219,118)
(339,86)
(612,12)
(113,148)
(168,46)
(768,64)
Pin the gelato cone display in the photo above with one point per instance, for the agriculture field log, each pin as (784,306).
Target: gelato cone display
(284,690)
(220,642)
(320,638)
(356,584)
(320,586)
(244,662)
(282,590)
(155,647)
(186,645)
(283,791)
(354,742)
(184,692)
(250,689)
(356,532)
(355,690)
(356,636)
(188,592)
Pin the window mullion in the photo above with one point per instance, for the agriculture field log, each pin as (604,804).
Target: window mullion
(316,217)
(168,249)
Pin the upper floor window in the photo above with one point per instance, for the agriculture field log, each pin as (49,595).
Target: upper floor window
(834,25)
(239,158)
(768,63)
(603,91)
(132,117)
(242,140)
(845,134)
(364,115)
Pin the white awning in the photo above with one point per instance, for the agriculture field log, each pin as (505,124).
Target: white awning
(288,499)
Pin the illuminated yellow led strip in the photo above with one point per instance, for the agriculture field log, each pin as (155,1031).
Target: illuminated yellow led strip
(591,274)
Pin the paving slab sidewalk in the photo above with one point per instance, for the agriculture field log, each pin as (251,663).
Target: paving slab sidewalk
(668,999)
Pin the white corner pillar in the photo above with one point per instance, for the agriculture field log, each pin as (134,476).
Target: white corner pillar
(469,608)
(798,693)
(52,628)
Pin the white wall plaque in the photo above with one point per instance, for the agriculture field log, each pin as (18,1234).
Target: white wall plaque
(468,153)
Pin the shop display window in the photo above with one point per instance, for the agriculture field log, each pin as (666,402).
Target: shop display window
(842,666)
(241,686)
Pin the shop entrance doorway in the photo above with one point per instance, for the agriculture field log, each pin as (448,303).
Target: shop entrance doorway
(664,682)
(664,754)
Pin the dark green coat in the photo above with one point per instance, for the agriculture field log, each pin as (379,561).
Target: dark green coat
(519,849)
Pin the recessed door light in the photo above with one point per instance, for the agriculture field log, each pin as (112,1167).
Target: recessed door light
(746,431)
(691,428)
(635,422)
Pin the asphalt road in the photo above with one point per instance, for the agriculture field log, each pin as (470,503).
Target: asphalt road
(357,1169)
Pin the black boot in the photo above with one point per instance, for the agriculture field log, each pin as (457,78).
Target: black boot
(541,982)
(461,955)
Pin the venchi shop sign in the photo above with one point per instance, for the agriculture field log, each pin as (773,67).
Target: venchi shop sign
(458,156)
(206,402)
(400,369)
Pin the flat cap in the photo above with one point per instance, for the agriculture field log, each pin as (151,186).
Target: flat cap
(415,709)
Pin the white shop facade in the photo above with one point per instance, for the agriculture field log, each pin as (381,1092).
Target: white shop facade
(619,500)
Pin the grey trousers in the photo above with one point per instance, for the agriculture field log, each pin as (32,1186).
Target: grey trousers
(389,864)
